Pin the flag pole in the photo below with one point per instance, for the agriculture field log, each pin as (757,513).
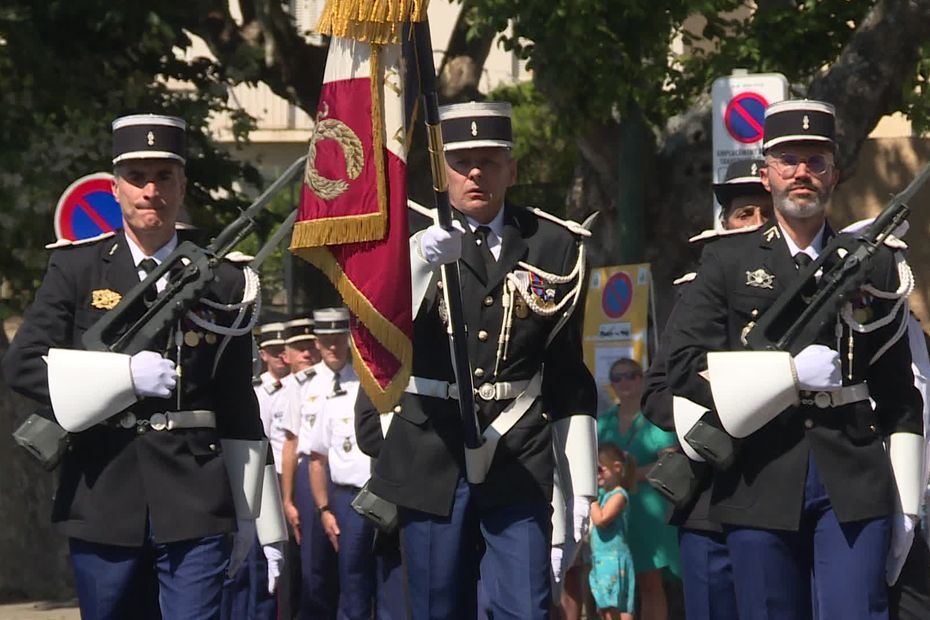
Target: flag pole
(452,288)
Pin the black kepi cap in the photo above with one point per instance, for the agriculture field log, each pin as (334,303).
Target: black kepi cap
(331,320)
(270,334)
(149,136)
(741,179)
(476,124)
(799,120)
(298,329)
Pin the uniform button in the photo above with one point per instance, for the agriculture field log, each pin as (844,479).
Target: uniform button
(488,301)
(545,416)
(398,409)
(212,447)
(808,423)
(479,372)
(140,430)
(872,428)
(482,335)
(755,313)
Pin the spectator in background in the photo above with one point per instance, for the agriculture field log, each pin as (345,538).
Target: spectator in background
(653,542)
(612,578)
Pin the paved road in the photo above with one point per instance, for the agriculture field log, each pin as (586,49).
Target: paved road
(40,611)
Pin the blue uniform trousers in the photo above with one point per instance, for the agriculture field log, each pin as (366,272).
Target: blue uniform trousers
(392,593)
(183,580)
(365,579)
(825,570)
(245,594)
(355,558)
(319,593)
(706,575)
(441,555)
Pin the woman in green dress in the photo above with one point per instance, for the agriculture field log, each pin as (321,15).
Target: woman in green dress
(654,543)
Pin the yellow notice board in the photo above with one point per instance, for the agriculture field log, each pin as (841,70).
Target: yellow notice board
(616,321)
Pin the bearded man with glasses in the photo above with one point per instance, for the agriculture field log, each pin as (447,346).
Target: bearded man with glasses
(809,502)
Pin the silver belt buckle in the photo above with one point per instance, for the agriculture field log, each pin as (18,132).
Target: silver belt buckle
(487,391)
(823,399)
(158,421)
(128,420)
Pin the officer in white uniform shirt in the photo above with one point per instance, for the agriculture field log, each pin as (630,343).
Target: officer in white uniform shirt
(270,391)
(319,585)
(332,444)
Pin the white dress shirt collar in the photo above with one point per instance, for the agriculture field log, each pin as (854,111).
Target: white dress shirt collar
(813,250)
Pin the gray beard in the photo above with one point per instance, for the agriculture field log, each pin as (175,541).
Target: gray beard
(786,206)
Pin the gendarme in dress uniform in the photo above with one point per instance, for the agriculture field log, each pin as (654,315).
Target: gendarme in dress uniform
(522,273)
(807,504)
(147,485)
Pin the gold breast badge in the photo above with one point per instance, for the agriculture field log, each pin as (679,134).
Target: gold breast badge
(104,298)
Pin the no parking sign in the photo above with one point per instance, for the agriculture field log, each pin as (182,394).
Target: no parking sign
(87,209)
(739,103)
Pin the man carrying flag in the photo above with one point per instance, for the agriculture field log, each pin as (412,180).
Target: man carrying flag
(521,273)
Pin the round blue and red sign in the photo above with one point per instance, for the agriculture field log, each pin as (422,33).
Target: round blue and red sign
(617,295)
(87,208)
(744,117)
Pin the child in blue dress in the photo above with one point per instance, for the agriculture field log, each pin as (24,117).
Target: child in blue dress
(612,577)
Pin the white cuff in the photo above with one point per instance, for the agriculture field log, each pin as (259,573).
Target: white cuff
(270,524)
(87,387)
(421,273)
(686,414)
(906,452)
(245,465)
(558,511)
(774,388)
(575,437)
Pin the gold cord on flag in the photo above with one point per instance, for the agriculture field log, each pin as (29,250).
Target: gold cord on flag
(372,21)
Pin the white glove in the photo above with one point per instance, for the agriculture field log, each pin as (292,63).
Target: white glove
(555,559)
(440,246)
(818,368)
(581,511)
(243,540)
(274,555)
(902,536)
(152,375)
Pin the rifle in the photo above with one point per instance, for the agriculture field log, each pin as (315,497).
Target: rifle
(190,269)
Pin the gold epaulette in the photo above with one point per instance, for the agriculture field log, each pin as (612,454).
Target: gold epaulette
(571,225)
(238,257)
(712,233)
(67,243)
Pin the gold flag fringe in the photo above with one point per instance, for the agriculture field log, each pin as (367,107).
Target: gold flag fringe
(388,334)
(373,21)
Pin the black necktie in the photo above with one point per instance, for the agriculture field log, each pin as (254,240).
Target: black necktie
(802,260)
(481,238)
(148,265)
(337,387)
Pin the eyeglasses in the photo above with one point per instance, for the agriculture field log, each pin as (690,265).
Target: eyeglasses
(787,163)
(616,377)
